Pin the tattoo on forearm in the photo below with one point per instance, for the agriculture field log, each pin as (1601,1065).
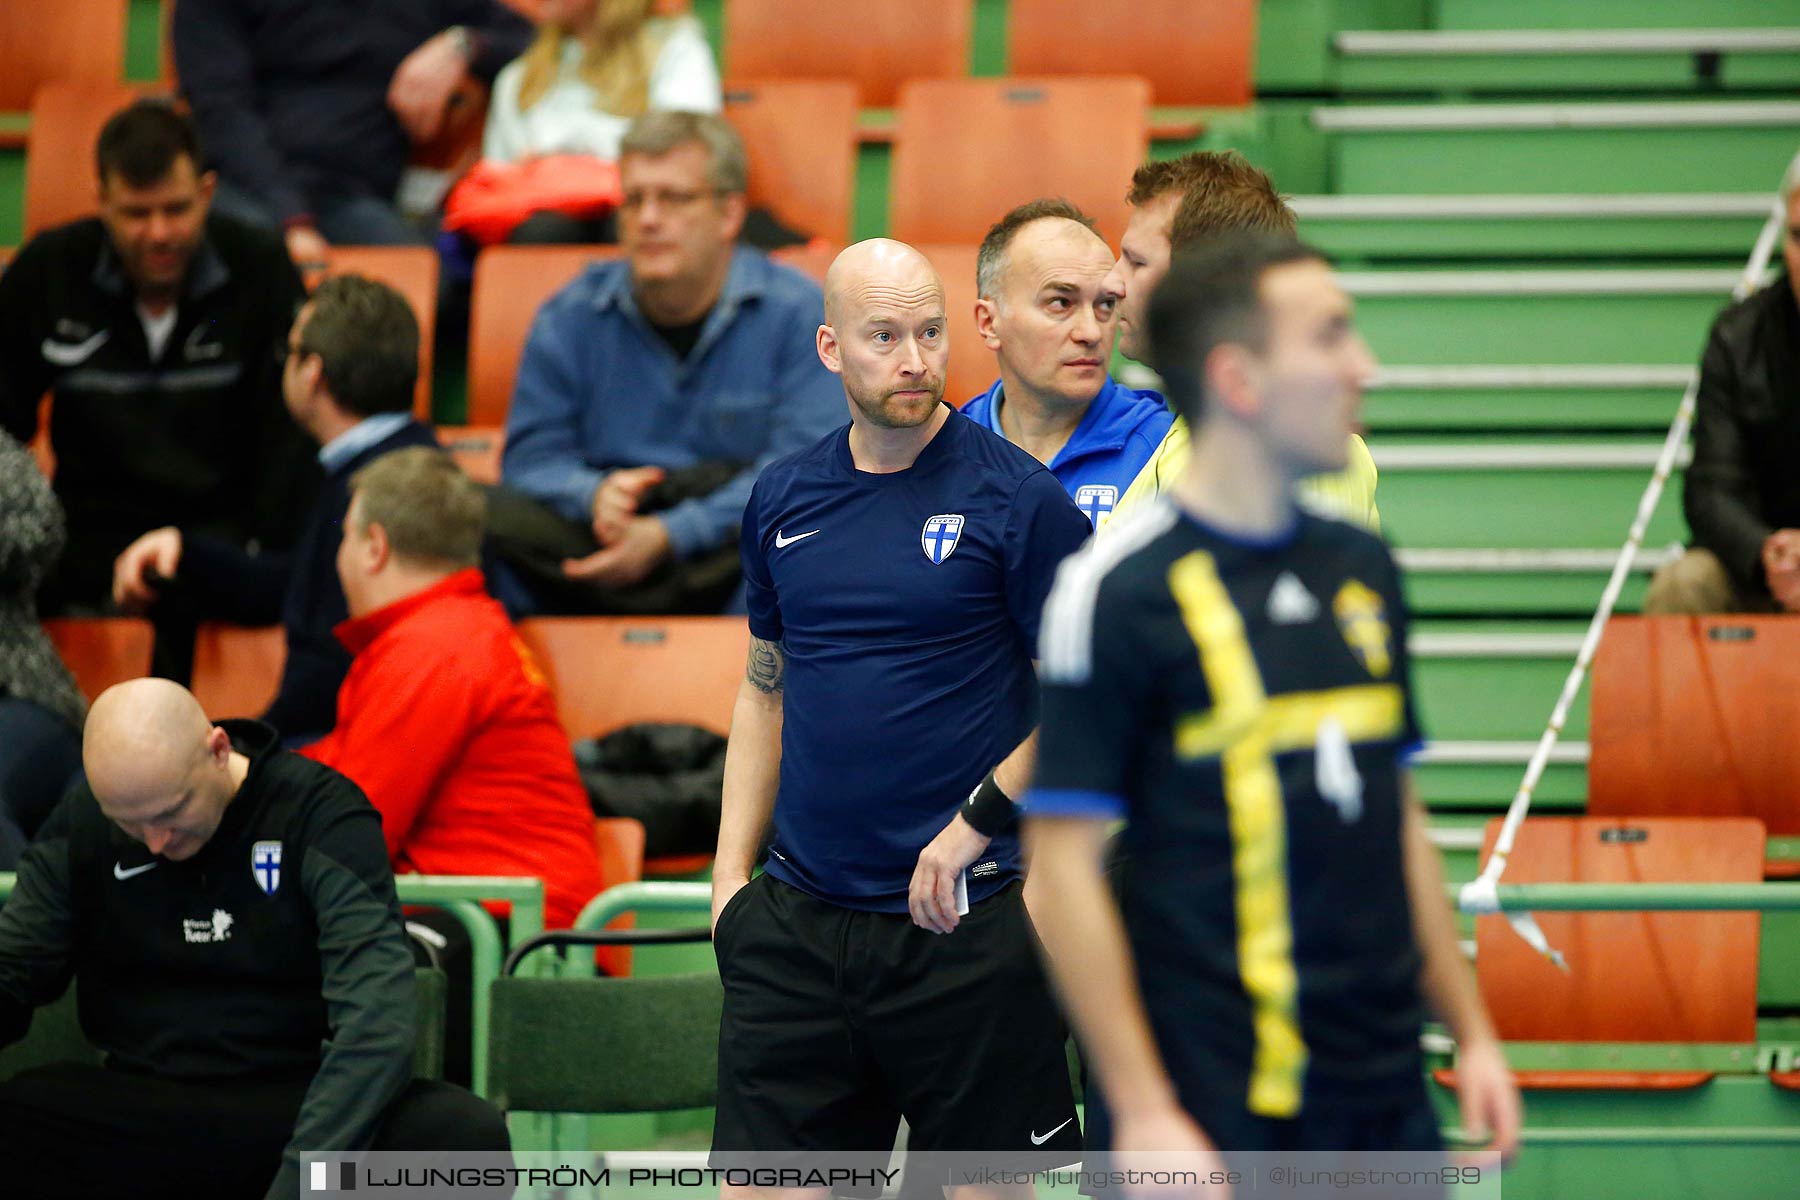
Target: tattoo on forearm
(767,666)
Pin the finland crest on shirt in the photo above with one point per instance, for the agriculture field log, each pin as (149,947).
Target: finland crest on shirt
(265,864)
(940,535)
(1096,500)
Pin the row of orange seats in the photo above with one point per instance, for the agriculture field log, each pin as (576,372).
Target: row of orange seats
(1690,780)
(1078,138)
(1683,709)
(675,670)
(1193,54)
(1691,716)
(682,670)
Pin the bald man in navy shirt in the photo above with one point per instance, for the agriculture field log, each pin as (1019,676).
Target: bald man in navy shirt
(882,965)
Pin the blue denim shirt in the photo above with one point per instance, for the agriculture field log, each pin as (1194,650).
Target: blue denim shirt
(599,389)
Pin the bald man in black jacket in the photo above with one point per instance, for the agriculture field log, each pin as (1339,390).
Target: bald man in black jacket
(228,911)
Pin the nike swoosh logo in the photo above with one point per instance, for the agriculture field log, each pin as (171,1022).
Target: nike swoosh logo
(195,351)
(783,542)
(1038,1141)
(65,355)
(119,872)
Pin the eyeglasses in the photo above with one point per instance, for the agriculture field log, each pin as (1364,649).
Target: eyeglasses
(672,198)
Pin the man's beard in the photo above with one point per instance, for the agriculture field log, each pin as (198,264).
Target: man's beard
(885,412)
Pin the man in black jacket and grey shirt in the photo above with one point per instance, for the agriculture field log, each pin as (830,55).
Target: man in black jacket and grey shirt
(160,333)
(228,912)
(1742,492)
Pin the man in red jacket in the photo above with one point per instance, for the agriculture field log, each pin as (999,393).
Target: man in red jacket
(445,720)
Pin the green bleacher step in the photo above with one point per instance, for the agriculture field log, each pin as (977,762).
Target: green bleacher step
(1535,317)
(1521,495)
(1375,227)
(1676,146)
(1482,682)
(1565,61)
(1533,397)
(1482,776)
(1466,581)
(1733,1138)
(1612,14)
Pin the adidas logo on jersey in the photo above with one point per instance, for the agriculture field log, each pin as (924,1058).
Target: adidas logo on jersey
(1290,603)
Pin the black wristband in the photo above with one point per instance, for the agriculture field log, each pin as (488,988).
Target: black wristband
(988,810)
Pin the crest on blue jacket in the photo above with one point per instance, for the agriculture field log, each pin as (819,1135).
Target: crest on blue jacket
(265,864)
(1096,500)
(941,534)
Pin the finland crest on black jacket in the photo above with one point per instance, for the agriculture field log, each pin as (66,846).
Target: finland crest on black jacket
(277,950)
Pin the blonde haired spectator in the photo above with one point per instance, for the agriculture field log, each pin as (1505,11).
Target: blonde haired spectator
(595,65)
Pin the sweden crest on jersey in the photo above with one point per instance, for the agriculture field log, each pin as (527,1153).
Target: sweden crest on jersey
(940,535)
(1362,618)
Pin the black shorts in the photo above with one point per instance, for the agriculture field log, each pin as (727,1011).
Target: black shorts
(838,1022)
(1401,1122)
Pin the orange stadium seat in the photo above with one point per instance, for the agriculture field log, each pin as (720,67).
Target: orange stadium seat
(878,46)
(620,843)
(1695,716)
(237,670)
(66,119)
(811,260)
(511,283)
(1684,977)
(69,41)
(413,272)
(168,82)
(1191,53)
(476,449)
(40,445)
(972,367)
(531,8)
(967,150)
(608,672)
(801,140)
(102,651)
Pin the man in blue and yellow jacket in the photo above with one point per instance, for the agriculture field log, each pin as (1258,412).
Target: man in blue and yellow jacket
(1046,313)
(1175,204)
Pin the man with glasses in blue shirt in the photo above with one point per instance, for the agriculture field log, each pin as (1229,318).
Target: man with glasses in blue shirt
(654,389)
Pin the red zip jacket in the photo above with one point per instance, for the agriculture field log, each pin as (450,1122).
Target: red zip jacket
(448,725)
